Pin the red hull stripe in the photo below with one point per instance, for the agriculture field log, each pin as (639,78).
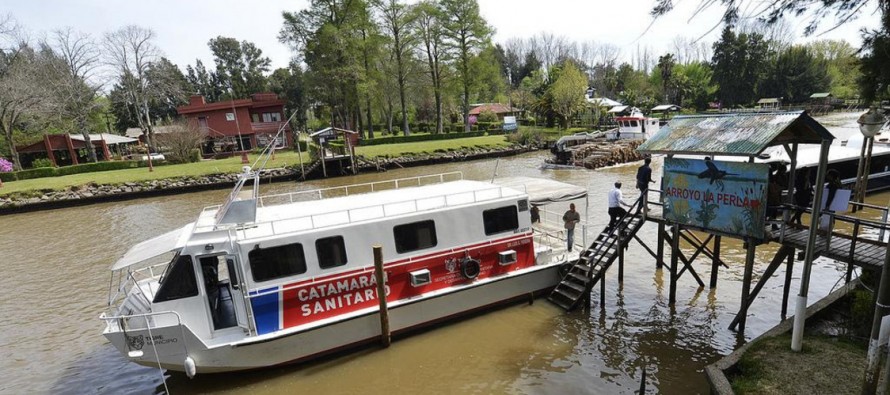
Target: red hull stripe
(315,299)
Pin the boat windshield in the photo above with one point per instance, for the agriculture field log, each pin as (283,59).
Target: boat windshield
(168,269)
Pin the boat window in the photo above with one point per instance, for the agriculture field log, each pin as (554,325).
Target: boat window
(331,252)
(178,281)
(633,124)
(415,236)
(276,262)
(500,220)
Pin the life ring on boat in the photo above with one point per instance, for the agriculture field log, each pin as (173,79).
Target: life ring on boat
(470,268)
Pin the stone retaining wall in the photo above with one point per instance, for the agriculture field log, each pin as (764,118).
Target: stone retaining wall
(96,193)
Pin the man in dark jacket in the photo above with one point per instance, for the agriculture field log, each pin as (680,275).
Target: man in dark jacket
(644,176)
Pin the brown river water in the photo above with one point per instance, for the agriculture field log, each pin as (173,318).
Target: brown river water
(55,277)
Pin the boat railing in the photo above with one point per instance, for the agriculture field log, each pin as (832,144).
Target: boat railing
(370,212)
(116,322)
(553,228)
(132,279)
(352,189)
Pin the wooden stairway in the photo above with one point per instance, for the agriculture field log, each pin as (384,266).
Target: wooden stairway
(593,262)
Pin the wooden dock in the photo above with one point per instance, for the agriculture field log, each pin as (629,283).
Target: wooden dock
(855,241)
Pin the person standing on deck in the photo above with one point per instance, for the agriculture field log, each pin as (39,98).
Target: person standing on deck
(616,200)
(803,194)
(644,176)
(570,218)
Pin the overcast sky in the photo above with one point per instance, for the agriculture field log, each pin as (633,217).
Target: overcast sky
(184,27)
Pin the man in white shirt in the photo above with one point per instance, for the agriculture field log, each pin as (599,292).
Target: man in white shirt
(615,202)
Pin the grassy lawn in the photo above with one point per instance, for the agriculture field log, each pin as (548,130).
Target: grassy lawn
(825,365)
(228,165)
(233,165)
(431,146)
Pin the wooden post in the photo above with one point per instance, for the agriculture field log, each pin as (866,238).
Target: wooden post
(603,291)
(381,295)
(621,243)
(746,284)
(659,261)
(789,270)
(322,152)
(675,257)
(715,261)
(800,307)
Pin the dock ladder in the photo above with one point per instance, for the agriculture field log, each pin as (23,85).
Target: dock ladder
(593,262)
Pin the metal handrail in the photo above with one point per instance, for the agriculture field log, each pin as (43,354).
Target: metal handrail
(383,207)
(320,192)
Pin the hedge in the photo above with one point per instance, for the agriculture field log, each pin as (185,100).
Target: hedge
(41,172)
(419,137)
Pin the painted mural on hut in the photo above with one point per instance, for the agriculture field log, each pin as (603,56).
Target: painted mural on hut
(728,197)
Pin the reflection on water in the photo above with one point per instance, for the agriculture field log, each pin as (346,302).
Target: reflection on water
(55,278)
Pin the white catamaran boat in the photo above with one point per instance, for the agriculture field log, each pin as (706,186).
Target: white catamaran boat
(263,281)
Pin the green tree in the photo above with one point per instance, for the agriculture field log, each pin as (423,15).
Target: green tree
(467,34)
(204,82)
(567,92)
(329,36)
(665,69)
(241,66)
(739,63)
(843,66)
(693,83)
(428,19)
(397,20)
(24,92)
(288,84)
(795,75)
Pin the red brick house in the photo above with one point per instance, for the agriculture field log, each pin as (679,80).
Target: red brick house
(242,124)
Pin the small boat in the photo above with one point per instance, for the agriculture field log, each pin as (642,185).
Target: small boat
(266,280)
(635,126)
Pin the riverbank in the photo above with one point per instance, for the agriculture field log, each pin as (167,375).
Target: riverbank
(97,192)
(828,363)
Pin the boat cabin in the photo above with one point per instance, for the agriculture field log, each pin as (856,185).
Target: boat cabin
(636,127)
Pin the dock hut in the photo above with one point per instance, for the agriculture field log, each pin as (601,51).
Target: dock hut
(769,103)
(712,184)
(335,155)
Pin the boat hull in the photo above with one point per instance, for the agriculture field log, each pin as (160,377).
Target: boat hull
(306,344)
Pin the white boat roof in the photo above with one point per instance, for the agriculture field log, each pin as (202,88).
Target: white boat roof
(807,155)
(543,191)
(167,242)
(313,214)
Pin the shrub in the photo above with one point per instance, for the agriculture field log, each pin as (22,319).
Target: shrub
(418,137)
(42,162)
(5,166)
(39,172)
(527,137)
(180,140)
(487,116)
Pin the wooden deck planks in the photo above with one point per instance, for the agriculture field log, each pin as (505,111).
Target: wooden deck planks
(865,254)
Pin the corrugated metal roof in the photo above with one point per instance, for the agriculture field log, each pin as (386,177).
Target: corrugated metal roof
(734,134)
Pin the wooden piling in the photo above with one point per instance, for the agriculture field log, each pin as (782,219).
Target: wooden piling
(746,283)
(621,245)
(385,337)
(659,261)
(675,257)
(715,261)
(603,291)
(789,270)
